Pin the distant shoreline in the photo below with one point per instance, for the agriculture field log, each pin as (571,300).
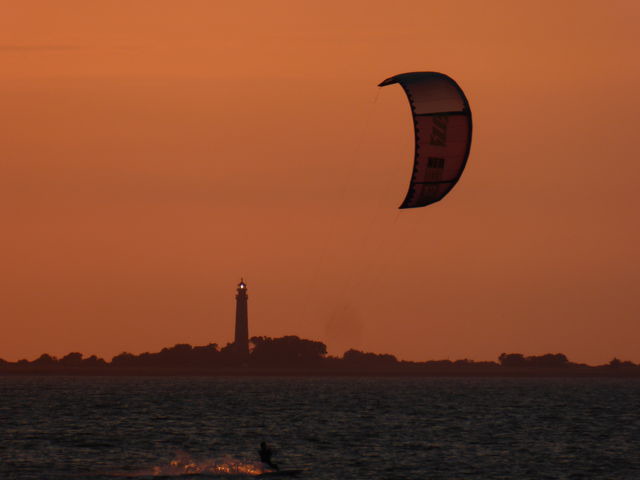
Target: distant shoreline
(294,356)
(453,371)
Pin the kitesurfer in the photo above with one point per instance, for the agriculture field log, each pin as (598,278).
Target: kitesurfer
(265,453)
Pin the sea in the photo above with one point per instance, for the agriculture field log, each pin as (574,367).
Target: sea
(326,428)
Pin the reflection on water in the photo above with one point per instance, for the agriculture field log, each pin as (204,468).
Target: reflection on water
(184,464)
(332,428)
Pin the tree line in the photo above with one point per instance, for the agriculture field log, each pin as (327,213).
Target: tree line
(292,352)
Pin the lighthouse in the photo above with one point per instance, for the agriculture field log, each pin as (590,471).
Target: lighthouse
(241,342)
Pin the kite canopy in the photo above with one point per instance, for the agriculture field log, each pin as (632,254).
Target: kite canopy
(442,125)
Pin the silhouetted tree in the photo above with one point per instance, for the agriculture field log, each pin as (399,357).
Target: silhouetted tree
(548,360)
(366,359)
(543,361)
(45,360)
(286,351)
(465,362)
(73,359)
(93,361)
(125,359)
(617,363)
(512,360)
(180,355)
(207,355)
(230,356)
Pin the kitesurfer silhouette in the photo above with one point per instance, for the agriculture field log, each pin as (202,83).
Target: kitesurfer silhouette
(265,453)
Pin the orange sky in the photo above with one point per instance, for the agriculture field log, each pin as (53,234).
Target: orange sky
(153,152)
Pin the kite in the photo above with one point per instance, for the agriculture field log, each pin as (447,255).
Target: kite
(442,127)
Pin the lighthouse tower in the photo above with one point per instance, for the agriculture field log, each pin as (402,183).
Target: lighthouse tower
(241,342)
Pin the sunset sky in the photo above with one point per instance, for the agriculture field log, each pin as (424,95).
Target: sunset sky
(154,152)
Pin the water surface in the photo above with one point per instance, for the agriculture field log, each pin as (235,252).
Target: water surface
(333,428)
